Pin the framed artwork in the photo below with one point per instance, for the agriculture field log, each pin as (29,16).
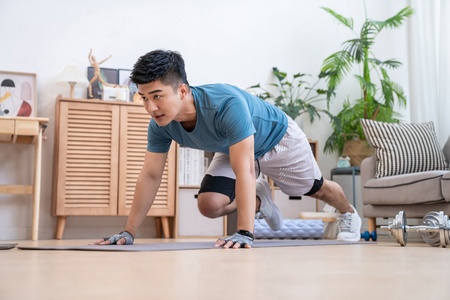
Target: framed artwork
(124,79)
(108,75)
(18,94)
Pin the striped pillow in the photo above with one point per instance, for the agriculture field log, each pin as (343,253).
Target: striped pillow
(402,148)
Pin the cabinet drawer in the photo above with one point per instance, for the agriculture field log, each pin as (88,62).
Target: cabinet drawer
(6,130)
(26,127)
(291,207)
(6,126)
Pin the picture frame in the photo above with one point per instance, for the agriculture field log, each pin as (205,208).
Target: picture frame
(18,94)
(124,79)
(109,75)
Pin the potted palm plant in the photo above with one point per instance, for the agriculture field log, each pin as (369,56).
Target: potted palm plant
(296,96)
(379,94)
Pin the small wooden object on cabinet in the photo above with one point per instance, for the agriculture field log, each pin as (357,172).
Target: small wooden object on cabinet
(24,130)
(99,152)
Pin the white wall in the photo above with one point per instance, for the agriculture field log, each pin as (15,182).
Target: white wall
(233,41)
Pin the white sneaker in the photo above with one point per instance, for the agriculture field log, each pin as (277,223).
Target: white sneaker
(349,227)
(268,209)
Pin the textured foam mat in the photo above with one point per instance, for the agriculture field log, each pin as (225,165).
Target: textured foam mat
(189,245)
(291,229)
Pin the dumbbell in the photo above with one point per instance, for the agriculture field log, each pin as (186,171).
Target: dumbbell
(435,229)
(367,236)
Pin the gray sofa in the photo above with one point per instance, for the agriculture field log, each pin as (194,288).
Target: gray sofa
(414,193)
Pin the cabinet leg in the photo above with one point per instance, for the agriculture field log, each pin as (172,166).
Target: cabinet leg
(372,224)
(36,186)
(158,227)
(165,227)
(60,225)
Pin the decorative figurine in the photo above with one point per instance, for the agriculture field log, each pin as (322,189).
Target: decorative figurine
(96,66)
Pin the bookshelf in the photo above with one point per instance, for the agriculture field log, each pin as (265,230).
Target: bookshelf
(192,165)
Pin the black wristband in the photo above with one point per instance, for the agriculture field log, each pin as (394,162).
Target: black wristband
(246,233)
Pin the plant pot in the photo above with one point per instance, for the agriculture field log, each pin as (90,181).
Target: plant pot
(357,150)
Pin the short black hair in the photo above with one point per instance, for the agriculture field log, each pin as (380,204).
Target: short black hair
(164,65)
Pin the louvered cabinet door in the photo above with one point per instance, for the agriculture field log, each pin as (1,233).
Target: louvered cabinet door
(88,153)
(133,145)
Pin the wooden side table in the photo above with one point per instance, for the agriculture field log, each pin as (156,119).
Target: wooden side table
(24,130)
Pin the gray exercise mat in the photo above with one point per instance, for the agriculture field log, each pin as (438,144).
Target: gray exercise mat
(189,245)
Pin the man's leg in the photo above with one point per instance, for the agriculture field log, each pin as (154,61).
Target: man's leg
(292,166)
(217,194)
(349,220)
(214,205)
(332,193)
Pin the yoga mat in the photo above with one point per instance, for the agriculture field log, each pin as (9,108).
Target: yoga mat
(190,245)
(7,246)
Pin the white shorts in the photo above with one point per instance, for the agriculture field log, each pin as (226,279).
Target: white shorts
(290,164)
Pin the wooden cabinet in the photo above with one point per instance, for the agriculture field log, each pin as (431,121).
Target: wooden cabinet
(99,151)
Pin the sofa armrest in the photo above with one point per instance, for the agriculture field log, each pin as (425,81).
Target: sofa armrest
(446,151)
(368,167)
(445,186)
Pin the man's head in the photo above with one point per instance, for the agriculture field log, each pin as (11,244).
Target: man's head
(164,65)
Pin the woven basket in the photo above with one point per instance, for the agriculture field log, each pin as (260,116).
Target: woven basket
(357,150)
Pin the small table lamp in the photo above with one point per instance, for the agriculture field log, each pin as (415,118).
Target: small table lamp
(72,75)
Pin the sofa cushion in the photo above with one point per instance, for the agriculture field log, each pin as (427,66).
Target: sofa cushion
(414,188)
(403,148)
(445,186)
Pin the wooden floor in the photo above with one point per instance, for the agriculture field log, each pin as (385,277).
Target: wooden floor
(371,271)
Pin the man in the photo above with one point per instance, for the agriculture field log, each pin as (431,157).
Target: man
(248,136)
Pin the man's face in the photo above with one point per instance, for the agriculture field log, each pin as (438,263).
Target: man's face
(161,102)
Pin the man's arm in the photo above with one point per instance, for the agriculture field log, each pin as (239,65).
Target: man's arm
(242,159)
(146,188)
(89,57)
(105,59)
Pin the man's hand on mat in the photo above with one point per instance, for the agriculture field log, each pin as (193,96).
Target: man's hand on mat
(241,239)
(107,242)
(123,238)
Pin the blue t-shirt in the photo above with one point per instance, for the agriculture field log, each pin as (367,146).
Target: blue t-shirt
(225,116)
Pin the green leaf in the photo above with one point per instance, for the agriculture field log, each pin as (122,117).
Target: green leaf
(355,48)
(367,35)
(366,85)
(397,20)
(265,95)
(337,66)
(279,75)
(346,21)
(299,75)
(392,64)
